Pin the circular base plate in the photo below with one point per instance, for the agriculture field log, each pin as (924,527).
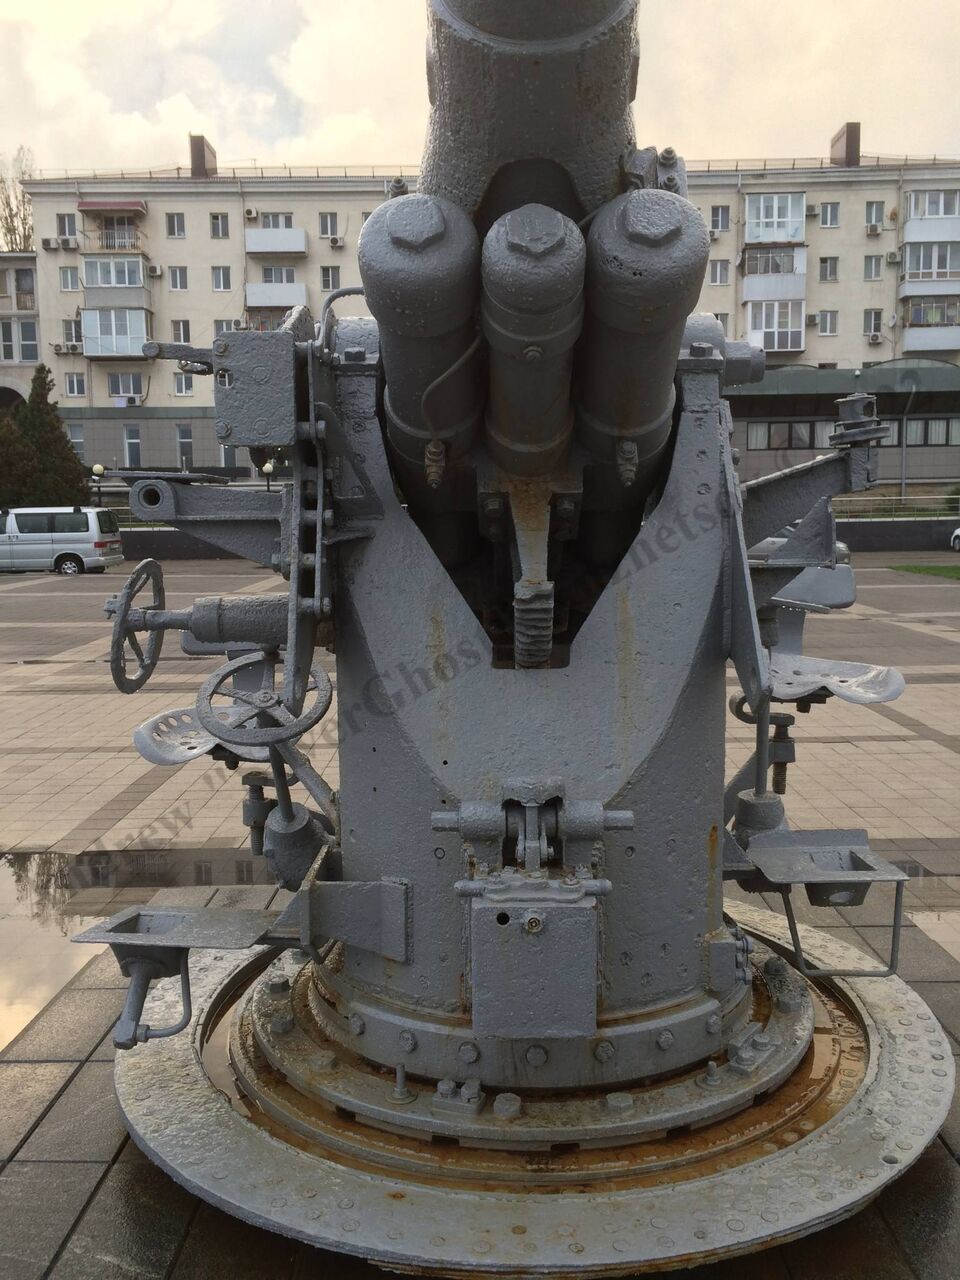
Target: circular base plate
(185,1123)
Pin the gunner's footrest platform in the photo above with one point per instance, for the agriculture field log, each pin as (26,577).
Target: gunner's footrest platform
(836,868)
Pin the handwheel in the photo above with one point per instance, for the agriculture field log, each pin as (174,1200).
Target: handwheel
(147,572)
(230,722)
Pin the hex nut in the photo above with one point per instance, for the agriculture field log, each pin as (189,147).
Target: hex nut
(468,1053)
(507,1106)
(278,985)
(356,1024)
(714,1024)
(535,230)
(416,223)
(282,1024)
(605,1051)
(446,1088)
(536,1055)
(619,1104)
(665,1039)
(408,1041)
(651,218)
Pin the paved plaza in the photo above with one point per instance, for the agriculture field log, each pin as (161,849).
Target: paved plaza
(87,826)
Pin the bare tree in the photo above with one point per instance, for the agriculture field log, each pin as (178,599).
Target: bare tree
(16,213)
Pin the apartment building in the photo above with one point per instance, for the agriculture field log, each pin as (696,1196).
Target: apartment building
(19,326)
(846,270)
(178,256)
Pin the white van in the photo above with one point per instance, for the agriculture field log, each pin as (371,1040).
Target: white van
(66,540)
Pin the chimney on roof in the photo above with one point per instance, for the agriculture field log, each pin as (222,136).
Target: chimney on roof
(203,158)
(845,146)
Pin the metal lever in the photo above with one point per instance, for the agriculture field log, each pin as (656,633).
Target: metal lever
(142,969)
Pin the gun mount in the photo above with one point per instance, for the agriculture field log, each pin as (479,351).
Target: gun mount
(505,1025)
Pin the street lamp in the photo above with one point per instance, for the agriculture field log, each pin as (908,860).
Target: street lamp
(97,470)
(267,470)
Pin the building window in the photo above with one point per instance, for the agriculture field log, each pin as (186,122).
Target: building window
(185,448)
(119,231)
(828,323)
(76,440)
(933,204)
(6,339)
(769,262)
(953,435)
(176,226)
(74,384)
(72,332)
(933,261)
(778,325)
(131,447)
(224,378)
(220,226)
(177,278)
(114,333)
(329,278)
(221,327)
(720,217)
(830,214)
(328,224)
(365,215)
(66,224)
(221,279)
(872,266)
(874,213)
(183,384)
(69,279)
(892,439)
(719,271)
(203,873)
(23,287)
(244,868)
(279,275)
(773,217)
(933,312)
(276,221)
(872,321)
(724,318)
(125,384)
(181,330)
(829,270)
(936,431)
(112,273)
(228,455)
(29,347)
(5,282)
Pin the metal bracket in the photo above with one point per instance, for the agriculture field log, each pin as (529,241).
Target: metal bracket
(809,972)
(373,916)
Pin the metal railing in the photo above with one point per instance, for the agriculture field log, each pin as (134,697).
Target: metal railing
(911,506)
(125,238)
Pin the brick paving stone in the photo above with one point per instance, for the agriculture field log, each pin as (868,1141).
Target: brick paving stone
(859,1248)
(27,1089)
(83,1124)
(38,1205)
(219,1247)
(69,1028)
(133,1227)
(922,1210)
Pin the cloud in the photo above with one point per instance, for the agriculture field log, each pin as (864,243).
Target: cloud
(99,85)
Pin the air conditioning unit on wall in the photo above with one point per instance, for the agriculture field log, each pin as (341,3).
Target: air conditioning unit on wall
(813,319)
(134,402)
(874,339)
(250,213)
(154,271)
(49,242)
(337,242)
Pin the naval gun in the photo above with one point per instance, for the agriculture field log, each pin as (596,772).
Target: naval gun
(506,1023)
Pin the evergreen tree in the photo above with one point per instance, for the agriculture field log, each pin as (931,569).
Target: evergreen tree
(18,466)
(60,478)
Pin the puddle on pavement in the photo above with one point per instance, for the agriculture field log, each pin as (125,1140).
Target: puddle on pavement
(47,898)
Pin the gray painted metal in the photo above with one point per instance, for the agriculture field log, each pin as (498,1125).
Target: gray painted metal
(454,1230)
(520,880)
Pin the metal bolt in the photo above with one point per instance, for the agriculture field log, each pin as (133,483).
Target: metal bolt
(788,1002)
(735,455)
(533,923)
(277,986)
(329,518)
(650,219)
(566,507)
(714,1023)
(471,1090)
(356,1024)
(408,1041)
(221,347)
(701,350)
(492,506)
(282,1024)
(619,1103)
(627,462)
(400,1092)
(532,353)
(668,156)
(761,1041)
(671,182)
(468,1053)
(775,967)
(536,1055)
(446,1087)
(665,1040)
(712,1078)
(434,462)
(604,1051)
(507,1106)
(534,230)
(416,224)
(326,607)
(224,430)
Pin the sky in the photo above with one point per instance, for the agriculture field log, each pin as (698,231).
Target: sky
(103,84)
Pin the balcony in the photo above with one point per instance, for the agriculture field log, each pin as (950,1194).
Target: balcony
(115,240)
(108,335)
(928,337)
(19,301)
(286,241)
(276,295)
(788,287)
(924,230)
